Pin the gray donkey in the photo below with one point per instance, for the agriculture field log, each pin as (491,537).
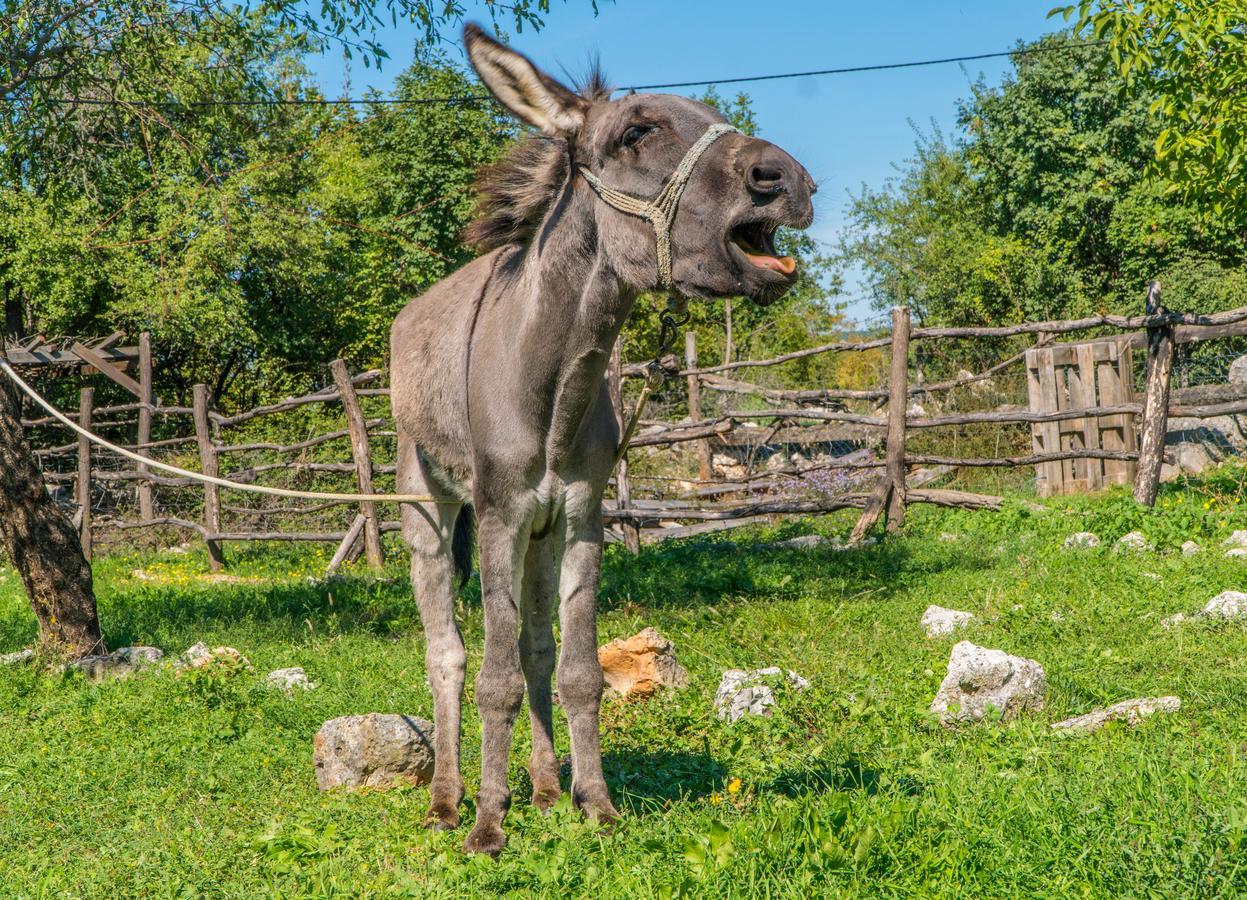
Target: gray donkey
(502,406)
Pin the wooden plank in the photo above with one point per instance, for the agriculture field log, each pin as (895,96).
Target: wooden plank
(1034,403)
(1155,404)
(349,541)
(1050,433)
(705,471)
(1092,471)
(898,402)
(147,399)
(208,463)
(118,356)
(362,455)
(100,364)
(86,399)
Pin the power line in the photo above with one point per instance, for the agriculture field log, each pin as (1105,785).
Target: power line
(470,100)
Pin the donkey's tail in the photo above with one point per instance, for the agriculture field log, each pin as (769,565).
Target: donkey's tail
(461,543)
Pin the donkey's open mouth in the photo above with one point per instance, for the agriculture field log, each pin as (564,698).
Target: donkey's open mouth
(756,241)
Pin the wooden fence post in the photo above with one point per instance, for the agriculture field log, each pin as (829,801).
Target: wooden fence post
(362,454)
(208,463)
(86,400)
(898,405)
(147,507)
(623,487)
(889,494)
(1155,403)
(704,470)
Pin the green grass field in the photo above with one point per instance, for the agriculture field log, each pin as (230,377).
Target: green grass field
(163,786)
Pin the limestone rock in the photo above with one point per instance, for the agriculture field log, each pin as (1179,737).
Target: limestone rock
(1128,711)
(121,662)
(1172,621)
(1226,605)
(1236,552)
(200,655)
(747,693)
(641,665)
(1237,539)
(939,621)
(373,751)
(1190,548)
(979,679)
(1081,540)
(1238,371)
(1134,542)
(13,659)
(289,679)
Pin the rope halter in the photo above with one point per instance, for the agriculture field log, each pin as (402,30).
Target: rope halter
(660,212)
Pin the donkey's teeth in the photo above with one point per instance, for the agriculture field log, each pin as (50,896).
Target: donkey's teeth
(783,264)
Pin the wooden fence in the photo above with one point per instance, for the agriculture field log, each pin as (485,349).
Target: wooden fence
(883,416)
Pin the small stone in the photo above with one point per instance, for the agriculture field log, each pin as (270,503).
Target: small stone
(1238,371)
(641,665)
(1227,605)
(939,621)
(1129,711)
(118,664)
(746,693)
(1171,621)
(804,542)
(949,538)
(21,656)
(980,679)
(373,751)
(1134,542)
(1152,575)
(290,679)
(1236,552)
(199,655)
(1056,616)
(1237,539)
(1082,540)
(1190,548)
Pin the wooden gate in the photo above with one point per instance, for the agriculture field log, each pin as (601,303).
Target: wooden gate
(1081,376)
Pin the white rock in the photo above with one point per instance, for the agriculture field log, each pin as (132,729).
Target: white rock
(1190,548)
(1129,711)
(199,655)
(290,679)
(1236,552)
(939,621)
(121,662)
(1082,540)
(1238,371)
(743,693)
(1134,542)
(949,538)
(1171,621)
(803,542)
(980,679)
(1237,539)
(373,751)
(21,656)
(1152,575)
(1227,605)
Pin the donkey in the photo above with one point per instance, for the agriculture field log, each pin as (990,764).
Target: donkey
(502,405)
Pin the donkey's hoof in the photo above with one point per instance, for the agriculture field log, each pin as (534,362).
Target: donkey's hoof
(546,797)
(442,817)
(487,839)
(597,807)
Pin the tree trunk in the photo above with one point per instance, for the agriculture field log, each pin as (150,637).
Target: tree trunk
(42,544)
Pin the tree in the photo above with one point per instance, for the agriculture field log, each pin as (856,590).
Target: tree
(1041,207)
(1191,57)
(90,87)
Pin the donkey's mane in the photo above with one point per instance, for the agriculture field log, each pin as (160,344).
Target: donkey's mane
(515,193)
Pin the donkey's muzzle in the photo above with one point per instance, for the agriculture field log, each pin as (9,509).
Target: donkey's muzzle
(771,174)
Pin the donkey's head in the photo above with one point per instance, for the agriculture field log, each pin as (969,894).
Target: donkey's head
(655,169)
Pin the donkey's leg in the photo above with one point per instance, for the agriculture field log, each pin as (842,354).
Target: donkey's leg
(537,660)
(428,530)
(580,673)
(500,683)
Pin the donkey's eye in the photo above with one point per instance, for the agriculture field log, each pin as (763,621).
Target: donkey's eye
(633,135)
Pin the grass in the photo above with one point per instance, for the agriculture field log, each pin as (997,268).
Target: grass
(164,786)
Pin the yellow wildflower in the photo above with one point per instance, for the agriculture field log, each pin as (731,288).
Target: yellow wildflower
(716,799)
(733,786)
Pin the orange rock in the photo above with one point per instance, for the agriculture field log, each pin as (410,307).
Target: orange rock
(641,665)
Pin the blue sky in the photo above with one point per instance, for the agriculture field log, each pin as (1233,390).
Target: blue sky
(848,130)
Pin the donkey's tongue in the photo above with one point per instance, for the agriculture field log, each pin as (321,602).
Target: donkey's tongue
(785,265)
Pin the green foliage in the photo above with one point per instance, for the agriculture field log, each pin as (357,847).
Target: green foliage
(1191,59)
(1042,207)
(200,783)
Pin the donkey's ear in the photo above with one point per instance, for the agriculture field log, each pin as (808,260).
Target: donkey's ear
(522,88)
